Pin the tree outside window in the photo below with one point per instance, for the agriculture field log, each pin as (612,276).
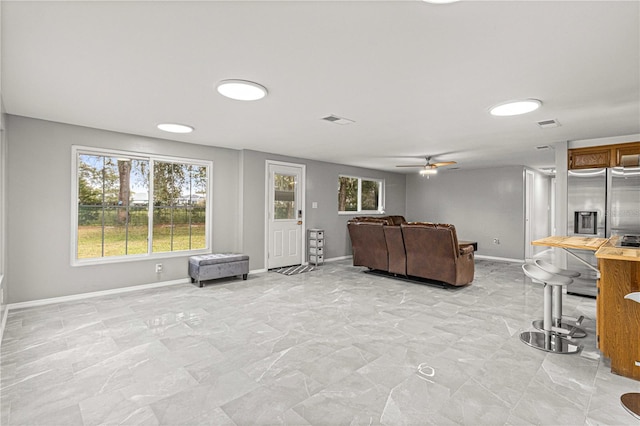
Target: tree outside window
(357,195)
(115,206)
(348,194)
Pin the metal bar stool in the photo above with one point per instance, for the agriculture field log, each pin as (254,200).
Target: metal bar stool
(550,338)
(631,401)
(559,320)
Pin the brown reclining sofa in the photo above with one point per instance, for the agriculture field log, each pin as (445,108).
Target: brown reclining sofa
(412,249)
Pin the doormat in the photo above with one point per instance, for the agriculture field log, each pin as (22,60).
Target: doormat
(297,269)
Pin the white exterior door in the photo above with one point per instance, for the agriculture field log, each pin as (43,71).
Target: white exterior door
(285,227)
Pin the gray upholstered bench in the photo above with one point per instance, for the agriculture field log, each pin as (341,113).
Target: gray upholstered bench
(212,266)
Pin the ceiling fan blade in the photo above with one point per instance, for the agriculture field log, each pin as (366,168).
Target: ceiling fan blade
(443,163)
(412,165)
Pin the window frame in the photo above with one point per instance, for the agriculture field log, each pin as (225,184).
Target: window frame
(77,150)
(381,195)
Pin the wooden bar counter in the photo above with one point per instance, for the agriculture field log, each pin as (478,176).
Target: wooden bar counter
(617,318)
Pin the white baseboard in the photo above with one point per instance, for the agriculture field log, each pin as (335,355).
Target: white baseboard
(501,259)
(258,271)
(73,297)
(543,253)
(335,259)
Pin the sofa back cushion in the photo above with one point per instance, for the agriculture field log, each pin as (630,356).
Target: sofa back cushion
(395,247)
(432,250)
(368,243)
(396,220)
(387,220)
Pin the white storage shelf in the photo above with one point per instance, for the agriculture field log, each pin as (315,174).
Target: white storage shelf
(315,246)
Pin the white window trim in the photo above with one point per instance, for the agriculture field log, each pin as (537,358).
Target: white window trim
(76,150)
(381,196)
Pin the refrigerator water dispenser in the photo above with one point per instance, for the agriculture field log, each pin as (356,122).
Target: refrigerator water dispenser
(585,222)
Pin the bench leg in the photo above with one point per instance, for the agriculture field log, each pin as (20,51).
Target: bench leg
(244,276)
(200,283)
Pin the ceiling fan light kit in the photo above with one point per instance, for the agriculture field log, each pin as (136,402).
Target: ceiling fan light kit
(429,172)
(429,168)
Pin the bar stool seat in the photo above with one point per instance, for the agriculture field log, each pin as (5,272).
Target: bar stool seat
(550,338)
(560,320)
(631,401)
(553,269)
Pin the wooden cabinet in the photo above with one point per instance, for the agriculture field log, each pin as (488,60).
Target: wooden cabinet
(601,156)
(618,319)
(589,158)
(626,150)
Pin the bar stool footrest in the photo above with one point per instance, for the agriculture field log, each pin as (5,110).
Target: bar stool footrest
(549,342)
(575,322)
(571,330)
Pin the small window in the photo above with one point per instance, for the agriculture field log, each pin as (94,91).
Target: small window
(360,195)
(130,205)
(284,204)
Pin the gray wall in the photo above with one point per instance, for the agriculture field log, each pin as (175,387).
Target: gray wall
(39,202)
(321,187)
(483,204)
(3,175)
(3,209)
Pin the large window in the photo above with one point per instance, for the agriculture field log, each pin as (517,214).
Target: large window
(130,205)
(360,195)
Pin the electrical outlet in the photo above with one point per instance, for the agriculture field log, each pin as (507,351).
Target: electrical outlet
(158,267)
(496,241)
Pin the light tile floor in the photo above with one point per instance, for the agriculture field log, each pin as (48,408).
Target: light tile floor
(333,346)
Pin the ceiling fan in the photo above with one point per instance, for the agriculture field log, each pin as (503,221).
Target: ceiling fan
(429,168)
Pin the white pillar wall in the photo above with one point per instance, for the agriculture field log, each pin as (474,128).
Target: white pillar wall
(562,161)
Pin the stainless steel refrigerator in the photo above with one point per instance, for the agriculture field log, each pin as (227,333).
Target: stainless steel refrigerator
(601,203)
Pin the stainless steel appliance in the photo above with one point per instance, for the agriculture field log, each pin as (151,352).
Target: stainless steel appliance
(601,203)
(630,241)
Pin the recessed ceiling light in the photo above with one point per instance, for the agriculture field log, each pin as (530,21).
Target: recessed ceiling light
(515,107)
(175,128)
(440,1)
(242,90)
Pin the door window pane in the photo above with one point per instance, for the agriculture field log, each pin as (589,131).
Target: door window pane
(284,203)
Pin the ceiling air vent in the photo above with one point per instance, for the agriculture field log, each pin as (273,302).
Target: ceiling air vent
(543,147)
(338,120)
(547,124)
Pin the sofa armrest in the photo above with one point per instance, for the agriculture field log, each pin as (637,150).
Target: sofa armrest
(466,249)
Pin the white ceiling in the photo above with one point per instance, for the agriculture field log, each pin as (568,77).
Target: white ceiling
(417,78)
